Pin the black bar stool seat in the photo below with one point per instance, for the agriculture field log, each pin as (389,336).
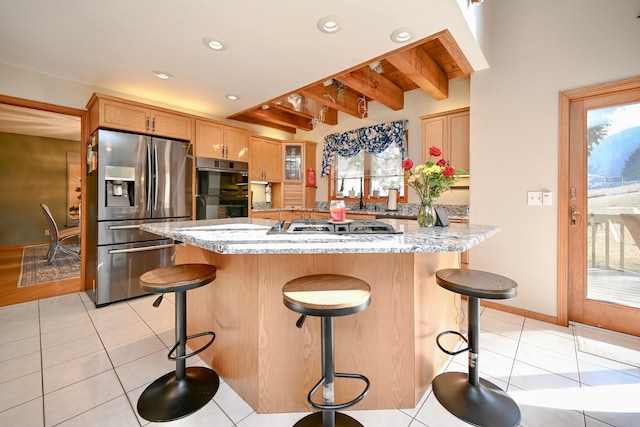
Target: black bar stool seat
(328,296)
(184,391)
(467,396)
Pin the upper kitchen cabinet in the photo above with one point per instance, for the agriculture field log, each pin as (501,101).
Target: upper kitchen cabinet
(265,159)
(119,114)
(299,164)
(220,141)
(450,132)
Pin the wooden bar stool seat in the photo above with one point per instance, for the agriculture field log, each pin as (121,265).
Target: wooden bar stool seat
(467,396)
(328,296)
(184,391)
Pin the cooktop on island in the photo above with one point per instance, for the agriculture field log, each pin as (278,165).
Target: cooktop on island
(327,226)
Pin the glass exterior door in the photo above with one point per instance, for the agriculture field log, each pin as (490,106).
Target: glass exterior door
(604,210)
(613,204)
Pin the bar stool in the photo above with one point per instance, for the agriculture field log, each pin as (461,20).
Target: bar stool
(468,397)
(328,296)
(181,392)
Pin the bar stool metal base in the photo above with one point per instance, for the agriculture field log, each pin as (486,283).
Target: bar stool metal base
(315,420)
(485,405)
(168,398)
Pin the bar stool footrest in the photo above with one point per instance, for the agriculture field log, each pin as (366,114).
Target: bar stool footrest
(449,352)
(193,353)
(335,407)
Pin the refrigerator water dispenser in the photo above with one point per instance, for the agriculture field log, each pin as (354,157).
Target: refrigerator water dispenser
(119,182)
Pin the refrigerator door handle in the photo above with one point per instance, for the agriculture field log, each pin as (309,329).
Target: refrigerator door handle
(155,174)
(142,249)
(149,174)
(124,227)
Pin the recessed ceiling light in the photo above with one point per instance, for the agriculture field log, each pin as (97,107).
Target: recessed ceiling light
(403,35)
(162,75)
(330,24)
(214,43)
(233,97)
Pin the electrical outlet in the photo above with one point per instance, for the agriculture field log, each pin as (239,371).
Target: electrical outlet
(534,198)
(46,231)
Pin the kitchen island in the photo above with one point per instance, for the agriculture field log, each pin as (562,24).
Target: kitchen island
(272,364)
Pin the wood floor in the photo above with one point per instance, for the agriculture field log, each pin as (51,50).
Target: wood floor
(10,259)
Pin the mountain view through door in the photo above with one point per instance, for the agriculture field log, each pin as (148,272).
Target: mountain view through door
(613,204)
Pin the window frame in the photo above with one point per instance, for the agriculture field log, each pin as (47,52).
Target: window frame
(333,182)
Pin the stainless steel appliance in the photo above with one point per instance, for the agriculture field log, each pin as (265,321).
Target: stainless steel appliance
(315,226)
(222,189)
(132,179)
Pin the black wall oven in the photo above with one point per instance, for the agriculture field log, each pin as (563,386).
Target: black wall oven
(222,189)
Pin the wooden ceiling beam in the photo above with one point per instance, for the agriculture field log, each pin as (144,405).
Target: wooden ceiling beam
(285,116)
(246,118)
(347,103)
(452,48)
(374,86)
(330,116)
(423,70)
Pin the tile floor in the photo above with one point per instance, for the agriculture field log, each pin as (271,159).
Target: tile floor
(65,363)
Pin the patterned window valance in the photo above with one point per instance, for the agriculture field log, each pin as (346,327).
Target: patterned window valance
(373,139)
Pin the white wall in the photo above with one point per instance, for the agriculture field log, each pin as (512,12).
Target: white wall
(416,104)
(535,50)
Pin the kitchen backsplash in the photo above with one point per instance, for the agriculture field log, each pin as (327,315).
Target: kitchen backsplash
(404,209)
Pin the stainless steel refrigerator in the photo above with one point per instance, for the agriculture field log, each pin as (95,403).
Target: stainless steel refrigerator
(132,179)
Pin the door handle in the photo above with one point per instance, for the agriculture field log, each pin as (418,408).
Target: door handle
(156,178)
(576,216)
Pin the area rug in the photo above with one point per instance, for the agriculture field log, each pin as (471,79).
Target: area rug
(611,345)
(35,268)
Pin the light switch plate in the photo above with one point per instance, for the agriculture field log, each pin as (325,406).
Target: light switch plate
(547,198)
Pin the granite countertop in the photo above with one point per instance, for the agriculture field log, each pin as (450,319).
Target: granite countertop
(249,236)
(404,211)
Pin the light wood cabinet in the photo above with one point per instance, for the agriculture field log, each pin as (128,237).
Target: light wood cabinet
(360,216)
(319,215)
(265,159)
(298,157)
(266,215)
(219,141)
(301,215)
(292,194)
(113,113)
(450,132)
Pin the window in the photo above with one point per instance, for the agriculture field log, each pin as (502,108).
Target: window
(371,173)
(366,162)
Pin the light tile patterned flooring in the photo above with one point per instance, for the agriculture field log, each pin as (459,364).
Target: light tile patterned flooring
(65,363)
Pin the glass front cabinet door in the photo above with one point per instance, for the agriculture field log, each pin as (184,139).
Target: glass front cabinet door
(293,162)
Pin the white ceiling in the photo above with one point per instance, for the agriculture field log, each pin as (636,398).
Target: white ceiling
(274,45)
(28,121)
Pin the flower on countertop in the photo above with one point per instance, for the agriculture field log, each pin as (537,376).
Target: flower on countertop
(430,179)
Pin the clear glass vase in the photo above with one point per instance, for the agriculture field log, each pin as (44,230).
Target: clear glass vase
(426,213)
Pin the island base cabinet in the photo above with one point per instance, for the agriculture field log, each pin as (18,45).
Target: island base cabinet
(272,364)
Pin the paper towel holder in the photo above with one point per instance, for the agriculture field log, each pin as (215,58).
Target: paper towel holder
(392,199)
